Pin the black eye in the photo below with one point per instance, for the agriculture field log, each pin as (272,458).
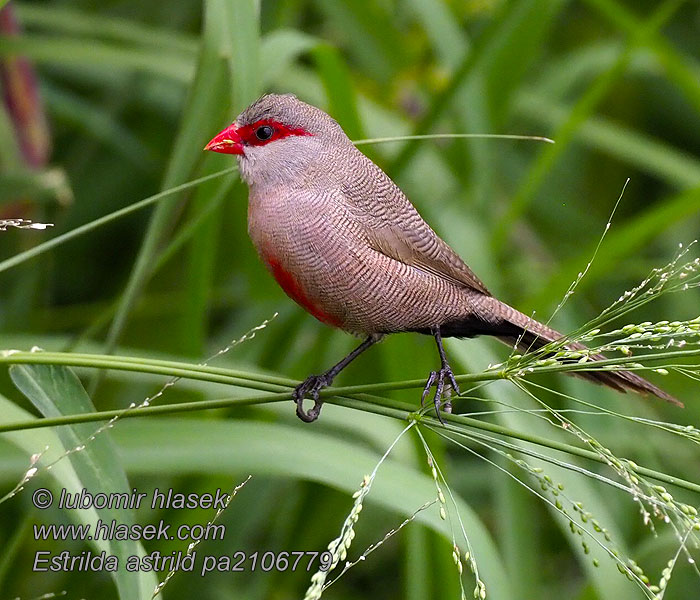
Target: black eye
(264,133)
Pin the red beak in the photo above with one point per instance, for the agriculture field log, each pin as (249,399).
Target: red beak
(227,141)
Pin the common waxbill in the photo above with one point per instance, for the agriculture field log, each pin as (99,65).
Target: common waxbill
(345,243)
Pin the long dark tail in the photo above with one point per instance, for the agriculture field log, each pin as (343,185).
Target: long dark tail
(511,326)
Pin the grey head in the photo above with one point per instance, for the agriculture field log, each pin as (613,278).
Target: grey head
(284,139)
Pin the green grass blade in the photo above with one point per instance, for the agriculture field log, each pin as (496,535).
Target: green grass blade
(237,39)
(207,104)
(442,28)
(75,52)
(242,20)
(278,51)
(56,391)
(376,43)
(683,69)
(189,337)
(335,76)
(580,112)
(67,21)
(621,243)
(642,151)
(610,585)
(269,449)
(88,227)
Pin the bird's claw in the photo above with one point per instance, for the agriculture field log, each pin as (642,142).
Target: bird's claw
(438,378)
(428,384)
(310,387)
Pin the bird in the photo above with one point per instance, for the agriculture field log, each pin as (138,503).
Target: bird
(345,243)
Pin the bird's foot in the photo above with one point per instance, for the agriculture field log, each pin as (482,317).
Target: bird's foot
(310,387)
(313,384)
(441,400)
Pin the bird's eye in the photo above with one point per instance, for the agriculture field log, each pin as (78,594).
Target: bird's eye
(264,133)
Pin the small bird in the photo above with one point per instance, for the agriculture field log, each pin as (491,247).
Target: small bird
(345,243)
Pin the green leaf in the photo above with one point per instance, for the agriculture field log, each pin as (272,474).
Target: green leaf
(18,259)
(610,584)
(682,69)
(376,42)
(66,21)
(208,102)
(580,112)
(179,446)
(642,151)
(42,186)
(75,52)
(621,243)
(279,49)
(443,29)
(335,76)
(241,40)
(232,32)
(56,391)
(190,336)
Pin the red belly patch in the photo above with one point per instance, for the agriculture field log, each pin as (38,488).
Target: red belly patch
(293,289)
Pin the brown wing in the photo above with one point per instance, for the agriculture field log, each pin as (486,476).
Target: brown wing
(394,227)
(423,249)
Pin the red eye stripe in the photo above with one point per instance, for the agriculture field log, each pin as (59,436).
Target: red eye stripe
(279,131)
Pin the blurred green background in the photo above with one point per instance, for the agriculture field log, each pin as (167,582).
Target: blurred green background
(104,106)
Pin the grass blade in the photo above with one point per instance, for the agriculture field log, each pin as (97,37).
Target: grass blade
(55,391)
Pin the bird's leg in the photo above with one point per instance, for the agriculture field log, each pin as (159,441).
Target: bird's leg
(438,378)
(313,384)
